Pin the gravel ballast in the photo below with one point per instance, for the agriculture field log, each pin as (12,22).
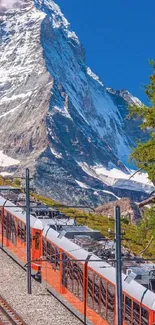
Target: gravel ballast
(40,308)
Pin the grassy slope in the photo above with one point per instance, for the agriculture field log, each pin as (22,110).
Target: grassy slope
(137,237)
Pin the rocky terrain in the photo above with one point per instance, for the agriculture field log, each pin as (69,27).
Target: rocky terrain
(129,209)
(56,116)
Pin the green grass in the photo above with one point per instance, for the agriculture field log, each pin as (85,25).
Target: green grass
(136,236)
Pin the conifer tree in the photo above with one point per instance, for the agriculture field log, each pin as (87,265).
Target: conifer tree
(144,154)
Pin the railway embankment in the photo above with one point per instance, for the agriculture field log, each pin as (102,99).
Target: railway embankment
(40,308)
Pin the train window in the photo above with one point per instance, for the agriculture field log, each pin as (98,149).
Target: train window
(75,273)
(44,247)
(96,293)
(53,254)
(75,278)
(103,298)
(10,227)
(136,313)
(128,310)
(48,251)
(71,276)
(57,258)
(144,316)
(90,288)
(13,231)
(64,269)
(5,224)
(19,229)
(80,275)
(111,303)
(23,232)
(70,271)
(9,222)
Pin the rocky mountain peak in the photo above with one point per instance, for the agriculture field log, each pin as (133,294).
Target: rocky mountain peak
(125,94)
(56,116)
(53,10)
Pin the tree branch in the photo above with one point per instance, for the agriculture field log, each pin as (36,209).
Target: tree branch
(151,199)
(149,243)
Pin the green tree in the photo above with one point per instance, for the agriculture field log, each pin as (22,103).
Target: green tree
(144,154)
(17,181)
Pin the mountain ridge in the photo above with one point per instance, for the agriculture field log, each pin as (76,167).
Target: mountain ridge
(55,113)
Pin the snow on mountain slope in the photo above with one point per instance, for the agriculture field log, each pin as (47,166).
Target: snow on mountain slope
(126,96)
(55,113)
(119,179)
(24,81)
(7,161)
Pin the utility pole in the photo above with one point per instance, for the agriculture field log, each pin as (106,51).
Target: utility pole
(118,266)
(28,233)
(85,291)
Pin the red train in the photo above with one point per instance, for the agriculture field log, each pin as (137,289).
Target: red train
(88,287)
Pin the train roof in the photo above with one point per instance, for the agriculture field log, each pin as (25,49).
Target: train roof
(56,221)
(80,229)
(134,289)
(35,222)
(20,213)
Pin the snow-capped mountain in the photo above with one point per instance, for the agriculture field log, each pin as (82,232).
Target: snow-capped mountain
(56,116)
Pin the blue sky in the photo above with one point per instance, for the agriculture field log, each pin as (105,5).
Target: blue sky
(119,38)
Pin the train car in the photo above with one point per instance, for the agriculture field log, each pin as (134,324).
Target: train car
(13,231)
(90,287)
(13,228)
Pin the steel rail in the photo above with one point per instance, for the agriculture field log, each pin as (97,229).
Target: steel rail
(8,315)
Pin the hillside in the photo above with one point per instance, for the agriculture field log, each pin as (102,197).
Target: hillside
(136,237)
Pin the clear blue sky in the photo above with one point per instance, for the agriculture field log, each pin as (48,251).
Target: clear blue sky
(119,38)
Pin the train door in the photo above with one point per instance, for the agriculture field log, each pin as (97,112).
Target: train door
(36,247)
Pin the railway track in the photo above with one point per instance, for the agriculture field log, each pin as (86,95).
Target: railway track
(49,291)
(8,315)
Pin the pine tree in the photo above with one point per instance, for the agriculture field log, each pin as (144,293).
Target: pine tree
(144,154)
